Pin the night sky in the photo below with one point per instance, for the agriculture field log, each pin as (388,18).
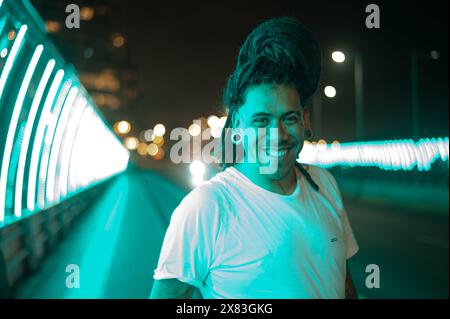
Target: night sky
(185,50)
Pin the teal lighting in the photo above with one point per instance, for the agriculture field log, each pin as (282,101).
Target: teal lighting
(13,125)
(38,137)
(54,143)
(50,190)
(387,155)
(66,146)
(11,58)
(27,135)
(49,134)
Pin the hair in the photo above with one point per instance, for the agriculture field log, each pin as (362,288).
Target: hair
(278,51)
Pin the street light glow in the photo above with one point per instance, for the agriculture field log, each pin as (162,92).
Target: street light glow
(148,135)
(194,129)
(131,143)
(330,91)
(123,127)
(197,168)
(152,149)
(159,130)
(434,54)
(142,149)
(338,56)
(213,121)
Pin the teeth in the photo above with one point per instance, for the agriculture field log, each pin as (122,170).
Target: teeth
(277,153)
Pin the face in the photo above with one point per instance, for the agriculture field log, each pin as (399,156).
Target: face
(268,109)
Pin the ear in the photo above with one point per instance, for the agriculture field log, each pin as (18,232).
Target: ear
(306,119)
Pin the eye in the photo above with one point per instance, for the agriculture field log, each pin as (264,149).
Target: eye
(292,119)
(260,121)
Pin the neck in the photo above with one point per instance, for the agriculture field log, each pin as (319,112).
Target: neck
(284,185)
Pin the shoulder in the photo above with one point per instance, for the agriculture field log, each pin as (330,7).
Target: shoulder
(205,200)
(321,175)
(210,191)
(326,181)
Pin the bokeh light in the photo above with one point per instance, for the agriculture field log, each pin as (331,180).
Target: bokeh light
(159,130)
(158,140)
(338,56)
(330,91)
(122,127)
(152,149)
(142,149)
(213,121)
(86,13)
(159,155)
(197,168)
(148,135)
(131,143)
(194,129)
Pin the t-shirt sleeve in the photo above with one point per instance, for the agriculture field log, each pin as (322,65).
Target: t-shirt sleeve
(188,247)
(350,240)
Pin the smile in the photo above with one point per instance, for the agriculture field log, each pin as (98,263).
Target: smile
(277,152)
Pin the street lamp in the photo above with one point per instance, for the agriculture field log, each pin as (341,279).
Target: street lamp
(330,91)
(339,57)
(415,107)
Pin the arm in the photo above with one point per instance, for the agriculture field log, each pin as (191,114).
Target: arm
(171,289)
(350,291)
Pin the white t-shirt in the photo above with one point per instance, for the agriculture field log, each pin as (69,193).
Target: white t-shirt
(233,239)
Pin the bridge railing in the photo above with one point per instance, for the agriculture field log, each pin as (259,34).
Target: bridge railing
(55,146)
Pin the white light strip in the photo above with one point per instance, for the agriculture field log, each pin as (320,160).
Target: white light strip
(49,134)
(67,144)
(27,134)
(13,125)
(387,155)
(56,144)
(77,154)
(38,139)
(11,58)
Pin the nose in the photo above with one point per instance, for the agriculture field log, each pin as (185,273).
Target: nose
(276,134)
(283,133)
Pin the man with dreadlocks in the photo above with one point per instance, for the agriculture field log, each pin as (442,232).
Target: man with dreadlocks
(244,234)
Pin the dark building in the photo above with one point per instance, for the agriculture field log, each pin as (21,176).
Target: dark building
(99,50)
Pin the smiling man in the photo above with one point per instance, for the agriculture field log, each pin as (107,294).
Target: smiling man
(248,234)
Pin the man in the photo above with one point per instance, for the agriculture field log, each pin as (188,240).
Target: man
(248,234)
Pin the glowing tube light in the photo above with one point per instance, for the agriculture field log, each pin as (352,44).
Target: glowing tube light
(94,161)
(13,125)
(49,134)
(66,146)
(77,154)
(56,144)
(11,58)
(387,155)
(27,134)
(36,150)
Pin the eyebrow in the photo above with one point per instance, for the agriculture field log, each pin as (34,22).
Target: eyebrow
(269,114)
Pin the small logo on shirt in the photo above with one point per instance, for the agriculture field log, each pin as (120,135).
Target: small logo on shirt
(334,239)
